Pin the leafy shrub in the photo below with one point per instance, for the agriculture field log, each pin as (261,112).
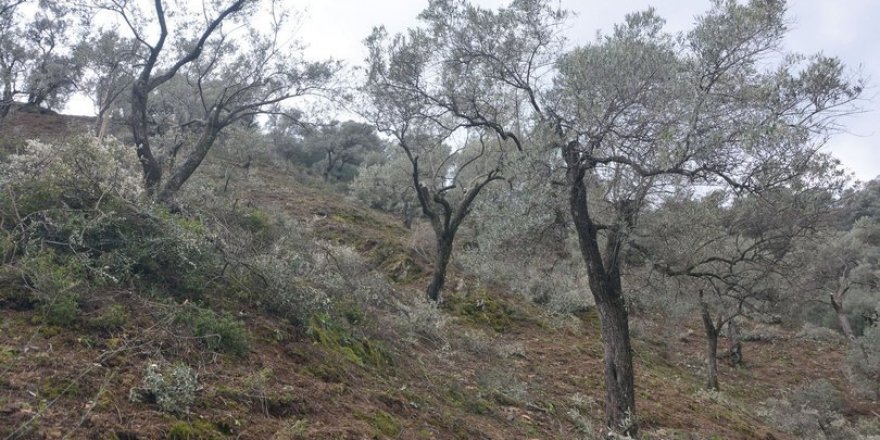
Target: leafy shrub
(513,349)
(503,388)
(863,363)
(813,411)
(78,173)
(279,279)
(815,333)
(221,333)
(63,310)
(83,199)
(173,388)
(422,319)
(113,317)
(53,281)
(760,332)
(569,301)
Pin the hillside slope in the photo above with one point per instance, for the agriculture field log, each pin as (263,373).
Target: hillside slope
(487,364)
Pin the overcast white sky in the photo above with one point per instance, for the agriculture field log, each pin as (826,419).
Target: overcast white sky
(849,29)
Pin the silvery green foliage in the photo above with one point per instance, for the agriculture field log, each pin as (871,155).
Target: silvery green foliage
(521,237)
(842,269)
(286,267)
(711,106)
(814,411)
(739,250)
(109,70)
(79,164)
(422,320)
(863,362)
(386,185)
(38,63)
(174,388)
(338,149)
(636,111)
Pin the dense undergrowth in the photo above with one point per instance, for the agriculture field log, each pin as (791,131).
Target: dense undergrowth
(278,309)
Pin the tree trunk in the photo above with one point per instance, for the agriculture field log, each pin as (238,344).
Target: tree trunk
(329,166)
(151,168)
(620,398)
(605,285)
(103,122)
(441,261)
(192,162)
(842,318)
(6,101)
(734,352)
(408,215)
(712,360)
(711,345)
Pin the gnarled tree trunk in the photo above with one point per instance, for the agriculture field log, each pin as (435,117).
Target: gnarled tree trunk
(192,161)
(605,285)
(140,134)
(842,318)
(441,262)
(711,345)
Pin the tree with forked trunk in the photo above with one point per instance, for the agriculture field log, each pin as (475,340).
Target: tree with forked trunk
(735,255)
(230,78)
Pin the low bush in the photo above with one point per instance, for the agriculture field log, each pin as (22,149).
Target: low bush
(81,203)
(172,388)
(422,320)
(218,332)
(863,363)
(111,318)
(815,411)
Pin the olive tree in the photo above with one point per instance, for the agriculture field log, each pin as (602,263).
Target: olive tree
(450,160)
(237,82)
(733,256)
(12,55)
(38,63)
(109,65)
(337,148)
(841,263)
(387,185)
(233,76)
(636,110)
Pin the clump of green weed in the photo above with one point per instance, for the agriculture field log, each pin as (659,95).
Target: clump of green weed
(221,333)
(383,423)
(111,318)
(54,281)
(359,350)
(62,310)
(197,430)
(483,309)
